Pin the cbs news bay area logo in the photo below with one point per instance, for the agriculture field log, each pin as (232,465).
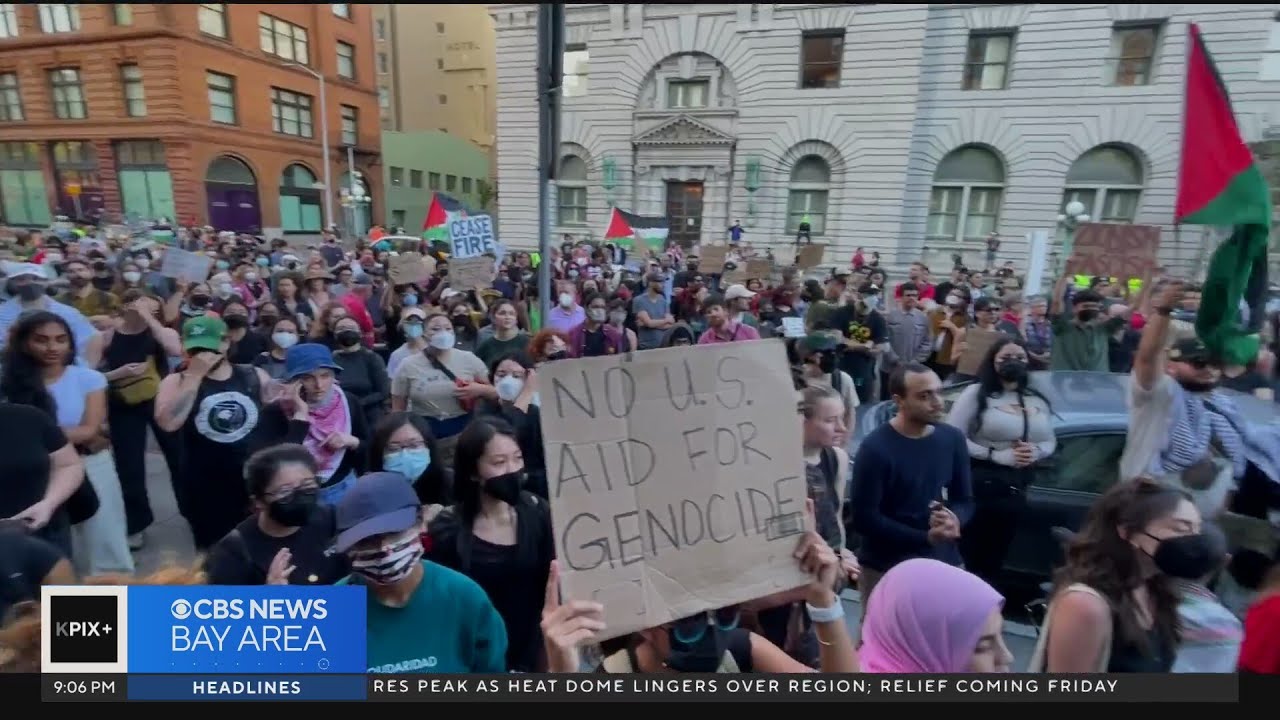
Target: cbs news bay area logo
(204,629)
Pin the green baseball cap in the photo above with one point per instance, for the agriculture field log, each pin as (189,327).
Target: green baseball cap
(203,332)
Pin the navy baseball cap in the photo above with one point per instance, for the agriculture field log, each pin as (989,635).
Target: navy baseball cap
(377,504)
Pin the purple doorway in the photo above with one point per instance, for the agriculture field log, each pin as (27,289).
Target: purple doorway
(232,193)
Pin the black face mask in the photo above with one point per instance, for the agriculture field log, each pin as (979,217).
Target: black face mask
(294,509)
(198,301)
(28,292)
(827,363)
(706,653)
(1087,315)
(347,338)
(1189,557)
(505,487)
(236,322)
(558,355)
(267,321)
(1012,370)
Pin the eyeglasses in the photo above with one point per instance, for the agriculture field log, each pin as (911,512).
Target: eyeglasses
(307,483)
(692,629)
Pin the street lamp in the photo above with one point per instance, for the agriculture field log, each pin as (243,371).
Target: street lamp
(1067,223)
(324,142)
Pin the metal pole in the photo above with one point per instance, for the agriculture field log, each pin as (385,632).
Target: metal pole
(324,152)
(351,178)
(550,72)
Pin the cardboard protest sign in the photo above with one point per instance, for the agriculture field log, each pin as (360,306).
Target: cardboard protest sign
(976,344)
(185,265)
(471,273)
(1114,250)
(472,236)
(410,268)
(810,256)
(711,259)
(676,479)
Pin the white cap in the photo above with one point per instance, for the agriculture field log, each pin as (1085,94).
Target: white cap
(737,291)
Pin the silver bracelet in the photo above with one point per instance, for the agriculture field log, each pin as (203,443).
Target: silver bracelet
(826,614)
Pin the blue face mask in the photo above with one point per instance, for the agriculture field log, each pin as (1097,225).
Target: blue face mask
(222,265)
(263,262)
(410,462)
(413,331)
(410,300)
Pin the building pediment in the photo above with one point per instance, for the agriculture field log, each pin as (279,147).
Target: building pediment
(683,130)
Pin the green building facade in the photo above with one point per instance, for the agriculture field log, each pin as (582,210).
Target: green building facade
(415,164)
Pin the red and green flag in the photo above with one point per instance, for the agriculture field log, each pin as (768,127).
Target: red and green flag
(435,226)
(1220,184)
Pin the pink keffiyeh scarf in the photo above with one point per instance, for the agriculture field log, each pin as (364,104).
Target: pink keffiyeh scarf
(328,416)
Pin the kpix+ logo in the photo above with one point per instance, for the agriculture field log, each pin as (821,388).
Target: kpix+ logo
(85,628)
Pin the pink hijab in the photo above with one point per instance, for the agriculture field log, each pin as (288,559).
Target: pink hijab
(925,616)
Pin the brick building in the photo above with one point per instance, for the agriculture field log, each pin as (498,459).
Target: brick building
(199,112)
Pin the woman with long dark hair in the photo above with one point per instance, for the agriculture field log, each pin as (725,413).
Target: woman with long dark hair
(403,443)
(1115,606)
(40,370)
(1008,425)
(498,534)
(516,384)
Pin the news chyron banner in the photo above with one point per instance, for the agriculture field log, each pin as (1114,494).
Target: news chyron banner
(204,642)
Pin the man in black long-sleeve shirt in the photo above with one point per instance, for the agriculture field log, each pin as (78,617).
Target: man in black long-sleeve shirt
(911,486)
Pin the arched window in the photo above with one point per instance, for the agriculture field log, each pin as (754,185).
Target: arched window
(229,170)
(301,202)
(807,194)
(1107,180)
(571,191)
(967,189)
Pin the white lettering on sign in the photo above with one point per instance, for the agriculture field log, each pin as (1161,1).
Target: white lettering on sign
(472,236)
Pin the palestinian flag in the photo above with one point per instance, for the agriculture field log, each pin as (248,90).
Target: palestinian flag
(1220,184)
(435,226)
(625,228)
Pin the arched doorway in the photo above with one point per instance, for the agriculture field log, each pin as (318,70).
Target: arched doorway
(232,192)
(357,203)
(301,201)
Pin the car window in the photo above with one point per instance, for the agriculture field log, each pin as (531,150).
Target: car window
(1083,463)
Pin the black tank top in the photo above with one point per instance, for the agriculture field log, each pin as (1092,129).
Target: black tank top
(823,489)
(1128,657)
(226,413)
(128,348)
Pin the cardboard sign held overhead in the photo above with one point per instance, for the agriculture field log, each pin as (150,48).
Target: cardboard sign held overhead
(410,268)
(185,265)
(711,259)
(471,273)
(675,478)
(1114,250)
(976,344)
(810,256)
(472,236)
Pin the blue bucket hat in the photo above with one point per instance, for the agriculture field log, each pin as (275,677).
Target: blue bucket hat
(307,358)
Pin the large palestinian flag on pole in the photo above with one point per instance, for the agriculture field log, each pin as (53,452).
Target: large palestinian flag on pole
(435,226)
(1220,184)
(625,228)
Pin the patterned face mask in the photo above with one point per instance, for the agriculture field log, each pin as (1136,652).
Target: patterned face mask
(389,564)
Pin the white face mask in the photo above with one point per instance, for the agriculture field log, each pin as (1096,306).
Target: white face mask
(132,276)
(224,290)
(617,318)
(509,388)
(251,277)
(598,315)
(143,262)
(442,340)
(284,340)
(566,300)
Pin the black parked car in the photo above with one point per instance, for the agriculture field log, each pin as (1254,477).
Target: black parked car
(1090,419)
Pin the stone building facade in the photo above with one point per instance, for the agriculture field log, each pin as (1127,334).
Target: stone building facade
(913,129)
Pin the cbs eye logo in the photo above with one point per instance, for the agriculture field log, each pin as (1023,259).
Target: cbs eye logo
(180,609)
